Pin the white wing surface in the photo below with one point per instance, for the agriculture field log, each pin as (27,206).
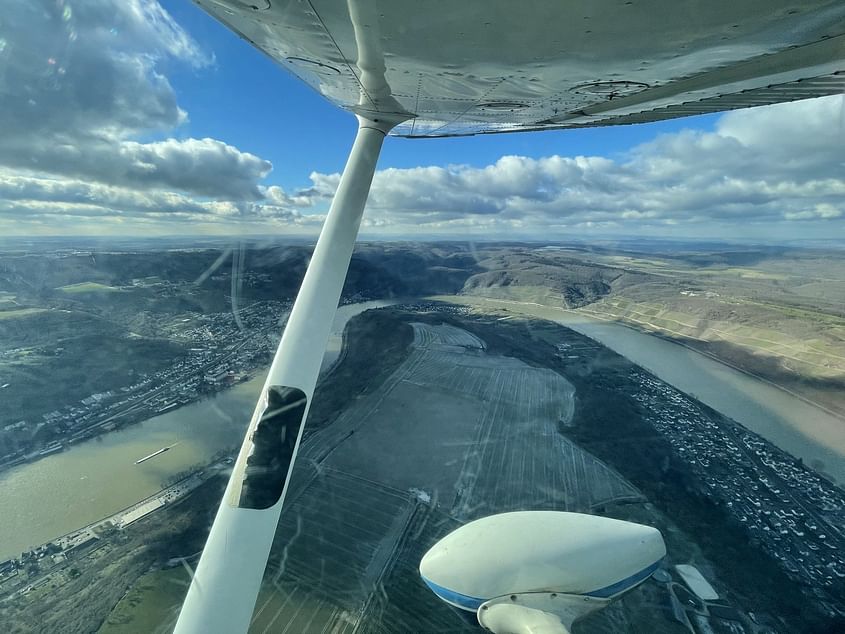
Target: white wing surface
(483,66)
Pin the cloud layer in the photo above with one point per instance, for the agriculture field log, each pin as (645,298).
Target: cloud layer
(88,117)
(768,166)
(80,83)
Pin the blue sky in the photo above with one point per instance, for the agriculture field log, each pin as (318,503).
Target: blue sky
(134,117)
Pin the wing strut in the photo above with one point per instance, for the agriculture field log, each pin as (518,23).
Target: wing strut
(224,589)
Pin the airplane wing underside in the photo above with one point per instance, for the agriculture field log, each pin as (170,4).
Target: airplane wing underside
(486,66)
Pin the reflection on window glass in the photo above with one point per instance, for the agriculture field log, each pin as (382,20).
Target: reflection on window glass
(270,450)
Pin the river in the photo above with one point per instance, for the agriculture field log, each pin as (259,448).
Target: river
(796,426)
(60,493)
(65,491)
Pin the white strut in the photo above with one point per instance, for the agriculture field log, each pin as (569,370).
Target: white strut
(225,586)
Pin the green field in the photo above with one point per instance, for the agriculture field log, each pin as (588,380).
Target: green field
(21,312)
(51,346)
(89,287)
(150,605)
(808,341)
(531,294)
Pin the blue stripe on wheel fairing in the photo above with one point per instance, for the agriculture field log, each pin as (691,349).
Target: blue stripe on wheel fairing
(627,582)
(472,604)
(462,601)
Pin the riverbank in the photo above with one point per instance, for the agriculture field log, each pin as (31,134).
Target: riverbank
(97,431)
(813,434)
(761,519)
(98,477)
(47,558)
(358,383)
(162,537)
(145,408)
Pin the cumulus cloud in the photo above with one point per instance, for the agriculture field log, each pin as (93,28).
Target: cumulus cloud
(767,166)
(80,83)
(80,69)
(62,200)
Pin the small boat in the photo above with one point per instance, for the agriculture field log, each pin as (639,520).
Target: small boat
(152,455)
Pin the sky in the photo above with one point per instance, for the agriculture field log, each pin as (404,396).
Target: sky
(139,118)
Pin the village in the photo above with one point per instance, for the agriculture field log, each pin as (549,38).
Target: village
(789,510)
